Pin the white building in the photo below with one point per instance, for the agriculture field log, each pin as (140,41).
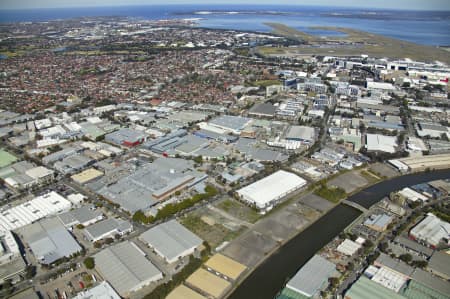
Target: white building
(266,192)
(431,231)
(101,291)
(42,206)
(382,143)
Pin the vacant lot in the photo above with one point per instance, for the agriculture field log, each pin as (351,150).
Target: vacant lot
(316,202)
(239,210)
(214,234)
(349,181)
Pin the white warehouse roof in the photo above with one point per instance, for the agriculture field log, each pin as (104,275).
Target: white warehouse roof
(33,210)
(269,189)
(431,230)
(377,142)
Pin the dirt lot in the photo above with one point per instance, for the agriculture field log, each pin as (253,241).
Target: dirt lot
(238,210)
(316,202)
(250,248)
(349,181)
(382,169)
(212,232)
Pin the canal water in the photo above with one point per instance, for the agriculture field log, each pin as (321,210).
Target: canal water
(269,278)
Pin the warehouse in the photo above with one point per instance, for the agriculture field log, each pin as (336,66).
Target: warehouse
(151,183)
(381,143)
(348,247)
(265,193)
(378,222)
(49,240)
(84,215)
(301,133)
(87,176)
(126,137)
(431,231)
(73,164)
(33,210)
(126,268)
(224,265)
(208,283)
(107,229)
(101,291)
(427,162)
(364,288)
(263,110)
(230,124)
(6,158)
(11,261)
(312,277)
(183,292)
(171,240)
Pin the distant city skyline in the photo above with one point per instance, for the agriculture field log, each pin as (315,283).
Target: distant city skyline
(438,5)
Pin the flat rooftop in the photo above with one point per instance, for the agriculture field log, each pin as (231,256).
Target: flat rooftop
(208,283)
(183,292)
(225,266)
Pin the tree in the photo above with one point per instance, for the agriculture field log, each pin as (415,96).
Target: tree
(405,257)
(89,262)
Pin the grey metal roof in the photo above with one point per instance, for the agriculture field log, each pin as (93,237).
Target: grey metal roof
(49,240)
(229,121)
(80,215)
(432,282)
(110,225)
(312,276)
(263,109)
(137,191)
(124,267)
(440,262)
(170,239)
(394,264)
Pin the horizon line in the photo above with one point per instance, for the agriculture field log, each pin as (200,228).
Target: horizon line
(222,4)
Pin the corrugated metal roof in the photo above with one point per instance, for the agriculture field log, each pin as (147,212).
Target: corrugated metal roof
(171,239)
(125,267)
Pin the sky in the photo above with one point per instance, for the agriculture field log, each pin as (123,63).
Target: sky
(438,5)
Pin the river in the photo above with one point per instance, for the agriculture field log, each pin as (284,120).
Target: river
(269,278)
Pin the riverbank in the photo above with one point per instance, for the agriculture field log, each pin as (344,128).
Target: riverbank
(285,261)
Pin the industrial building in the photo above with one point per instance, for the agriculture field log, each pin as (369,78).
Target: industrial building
(183,292)
(11,261)
(265,193)
(171,240)
(381,143)
(348,247)
(152,183)
(208,283)
(439,264)
(49,240)
(225,266)
(126,268)
(107,229)
(23,174)
(364,288)
(431,231)
(301,133)
(42,206)
(6,158)
(379,222)
(310,279)
(441,161)
(126,137)
(101,291)
(86,176)
(85,215)
(230,124)
(263,110)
